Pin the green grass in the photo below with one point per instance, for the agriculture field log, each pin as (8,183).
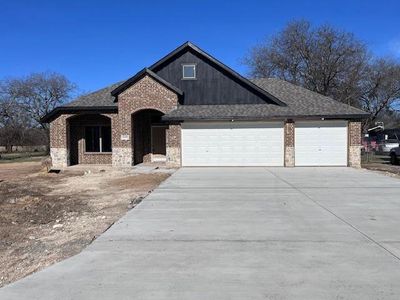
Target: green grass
(21,157)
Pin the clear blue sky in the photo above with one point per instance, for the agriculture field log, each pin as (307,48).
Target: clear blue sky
(96,43)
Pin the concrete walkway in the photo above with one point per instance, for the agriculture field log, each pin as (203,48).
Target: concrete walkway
(242,233)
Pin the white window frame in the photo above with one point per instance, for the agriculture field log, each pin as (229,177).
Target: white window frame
(194,71)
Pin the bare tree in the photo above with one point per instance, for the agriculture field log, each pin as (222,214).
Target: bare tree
(24,101)
(13,121)
(381,88)
(330,62)
(40,93)
(390,118)
(323,59)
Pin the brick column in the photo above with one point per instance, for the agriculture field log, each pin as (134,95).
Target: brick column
(173,136)
(354,154)
(59,142)
(289,144)
(122,154)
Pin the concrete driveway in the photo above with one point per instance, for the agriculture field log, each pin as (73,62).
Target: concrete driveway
(242,233)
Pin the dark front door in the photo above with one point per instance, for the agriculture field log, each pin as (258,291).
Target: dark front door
(73,146)
(158,140)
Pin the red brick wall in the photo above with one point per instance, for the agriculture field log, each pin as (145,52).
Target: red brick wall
(77,132)
(289,133)
(58,132)
(289,151)
(144,94)
(354,153)
(60,137)
(173,136)
(354,133)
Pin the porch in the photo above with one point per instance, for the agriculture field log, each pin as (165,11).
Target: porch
(104,139)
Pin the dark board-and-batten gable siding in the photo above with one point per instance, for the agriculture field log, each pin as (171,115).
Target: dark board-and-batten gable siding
(211,86)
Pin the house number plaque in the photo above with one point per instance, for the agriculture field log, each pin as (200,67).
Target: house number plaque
(124,137)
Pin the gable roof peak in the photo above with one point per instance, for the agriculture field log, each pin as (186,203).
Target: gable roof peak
(187,44)
(145,71)
(217,63)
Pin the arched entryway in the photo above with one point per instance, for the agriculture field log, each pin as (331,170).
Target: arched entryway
(149,136)
(89,139)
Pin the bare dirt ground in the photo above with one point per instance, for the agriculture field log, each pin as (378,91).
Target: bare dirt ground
(47,217)
(387,169)
(381,163)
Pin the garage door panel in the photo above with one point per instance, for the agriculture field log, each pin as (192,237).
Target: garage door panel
(321,143)
(232,144)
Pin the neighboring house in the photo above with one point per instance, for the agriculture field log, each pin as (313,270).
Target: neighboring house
(380,135)
(379,139)
(189,109)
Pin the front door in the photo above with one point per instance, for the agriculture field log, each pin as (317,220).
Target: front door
(158,142)
(73,146)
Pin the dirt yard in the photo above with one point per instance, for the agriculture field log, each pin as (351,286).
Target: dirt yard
(47,217)
(381,163)
(387,169)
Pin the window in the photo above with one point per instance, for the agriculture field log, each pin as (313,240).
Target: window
(98,139)
(189,71)
(106,139)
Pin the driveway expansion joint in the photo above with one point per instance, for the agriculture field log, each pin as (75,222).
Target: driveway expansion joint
(336,216)
(233,241)
(191,239)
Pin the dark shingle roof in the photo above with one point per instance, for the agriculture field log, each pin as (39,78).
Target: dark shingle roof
(106,96)
(300,103)
(101,97)
(304,100)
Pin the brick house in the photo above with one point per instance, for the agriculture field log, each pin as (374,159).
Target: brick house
(189,109)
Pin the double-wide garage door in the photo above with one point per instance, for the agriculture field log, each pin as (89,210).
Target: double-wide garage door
(232,144)
(262,143)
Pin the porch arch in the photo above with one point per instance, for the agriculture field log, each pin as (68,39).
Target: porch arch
(149,135)
(96,150)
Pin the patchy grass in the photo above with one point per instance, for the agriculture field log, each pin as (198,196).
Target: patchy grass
(21,157)
(47,217)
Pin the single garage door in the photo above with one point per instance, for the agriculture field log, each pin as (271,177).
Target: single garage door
(232,144)
(321,143)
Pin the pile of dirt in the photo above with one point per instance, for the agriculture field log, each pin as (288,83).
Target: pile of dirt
(47,217)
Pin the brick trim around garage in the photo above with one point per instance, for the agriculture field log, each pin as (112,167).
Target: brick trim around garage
(289,147)
(354,154)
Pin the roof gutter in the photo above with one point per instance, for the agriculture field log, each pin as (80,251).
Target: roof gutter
(267,118)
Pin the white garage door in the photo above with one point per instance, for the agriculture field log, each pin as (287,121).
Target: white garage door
(232,144)
(321,143)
